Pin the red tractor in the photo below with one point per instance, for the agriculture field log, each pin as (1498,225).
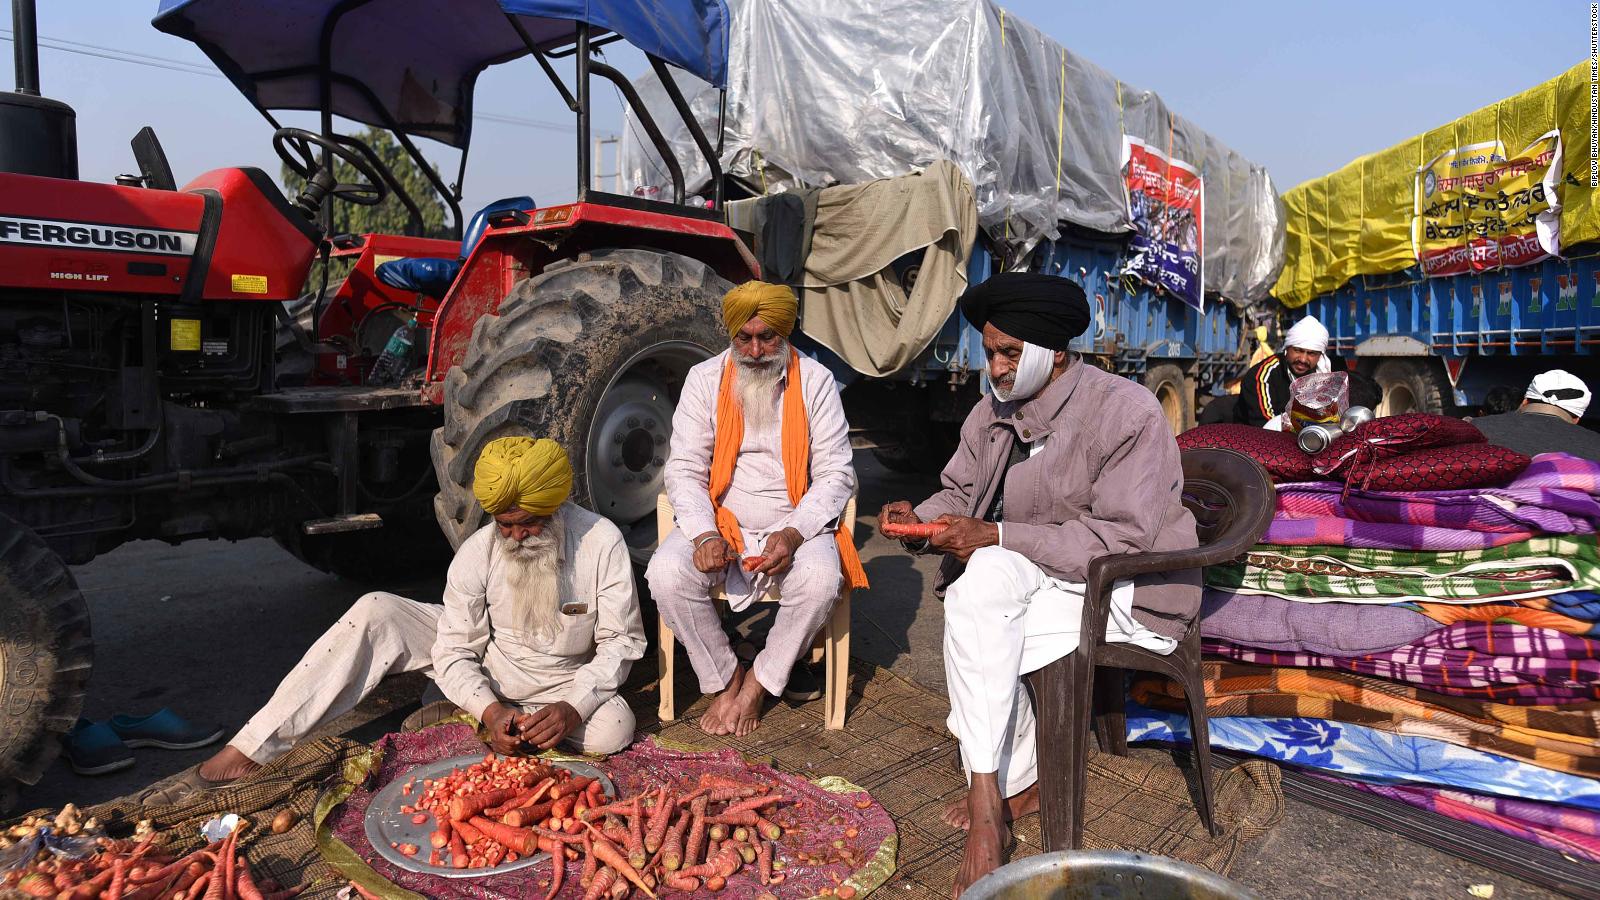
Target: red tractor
(154,385)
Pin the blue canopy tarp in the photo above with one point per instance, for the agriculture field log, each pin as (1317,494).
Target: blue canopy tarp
(412,64)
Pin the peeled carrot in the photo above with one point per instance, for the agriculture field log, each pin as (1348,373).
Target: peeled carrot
(458,850)
(558,872)
(562,807)
(440,838)
(468,833)
(575,785)
(463,808)
(913,529)
(527,815)
(751,563)
(611,856)
(518,839)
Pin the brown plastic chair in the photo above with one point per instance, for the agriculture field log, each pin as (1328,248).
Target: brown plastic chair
(1232,500)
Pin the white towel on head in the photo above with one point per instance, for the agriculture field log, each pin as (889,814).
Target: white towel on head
(1307,334)
(1560,388)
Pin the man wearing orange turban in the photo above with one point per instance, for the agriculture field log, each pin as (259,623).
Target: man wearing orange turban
(539,627)
(758,474)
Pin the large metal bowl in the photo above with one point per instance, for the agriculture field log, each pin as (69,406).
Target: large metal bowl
(1103,875)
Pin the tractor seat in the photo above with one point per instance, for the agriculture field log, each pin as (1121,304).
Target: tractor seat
(432,276)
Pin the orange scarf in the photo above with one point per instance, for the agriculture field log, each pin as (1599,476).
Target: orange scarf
(796,450)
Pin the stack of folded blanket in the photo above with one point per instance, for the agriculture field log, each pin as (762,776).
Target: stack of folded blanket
(1439,646)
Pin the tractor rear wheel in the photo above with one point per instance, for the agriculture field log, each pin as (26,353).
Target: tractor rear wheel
(591,353)
(45,654)
(1409,385)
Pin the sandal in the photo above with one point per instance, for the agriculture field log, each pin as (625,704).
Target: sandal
(180,787)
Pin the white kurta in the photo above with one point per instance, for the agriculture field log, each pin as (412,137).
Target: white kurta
(474,651)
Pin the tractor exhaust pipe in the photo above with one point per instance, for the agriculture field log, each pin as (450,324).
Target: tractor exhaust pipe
(38,136)
(25,45)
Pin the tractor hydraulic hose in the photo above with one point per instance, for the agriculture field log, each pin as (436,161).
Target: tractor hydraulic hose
(239,473)
(100,456)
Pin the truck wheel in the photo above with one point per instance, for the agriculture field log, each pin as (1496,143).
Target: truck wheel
(591,353)
(1166,381)
(1408,385)
(45,653)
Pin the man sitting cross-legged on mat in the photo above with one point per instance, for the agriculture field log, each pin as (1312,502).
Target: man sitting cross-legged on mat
(539,627)
(759,468)
(1061,464)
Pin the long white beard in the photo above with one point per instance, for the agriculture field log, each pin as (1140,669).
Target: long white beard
(757,384)
(533,575)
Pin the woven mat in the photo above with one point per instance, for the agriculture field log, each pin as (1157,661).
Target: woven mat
(895,745)
(293,782)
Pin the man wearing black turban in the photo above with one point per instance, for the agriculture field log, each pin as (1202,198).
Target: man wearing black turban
(1062,463)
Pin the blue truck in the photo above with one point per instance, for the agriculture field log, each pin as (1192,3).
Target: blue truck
(1440,344)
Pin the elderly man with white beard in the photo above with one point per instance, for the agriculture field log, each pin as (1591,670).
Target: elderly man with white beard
(539,627)
(759,473)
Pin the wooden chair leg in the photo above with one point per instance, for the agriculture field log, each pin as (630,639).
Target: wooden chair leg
(1063,693)
(1110,716)
(836,691)
(666,655)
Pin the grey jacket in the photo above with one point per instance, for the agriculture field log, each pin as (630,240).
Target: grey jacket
(1108,480)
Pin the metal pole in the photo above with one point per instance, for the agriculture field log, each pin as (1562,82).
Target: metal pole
(25,45)
(583,110)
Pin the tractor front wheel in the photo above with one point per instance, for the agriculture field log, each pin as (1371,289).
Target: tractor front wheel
(591,353)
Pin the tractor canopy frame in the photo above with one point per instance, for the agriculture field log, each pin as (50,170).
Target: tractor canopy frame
(410,67)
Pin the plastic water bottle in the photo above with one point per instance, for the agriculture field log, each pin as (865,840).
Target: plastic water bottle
(396,356)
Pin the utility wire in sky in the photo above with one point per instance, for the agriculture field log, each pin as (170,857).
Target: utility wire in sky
(189,68)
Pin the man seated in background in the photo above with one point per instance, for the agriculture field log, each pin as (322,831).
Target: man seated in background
(759,470)
(1547,420)
(539,627)
(1061,464)
(1264,389)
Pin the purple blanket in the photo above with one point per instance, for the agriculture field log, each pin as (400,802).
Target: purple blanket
(1557,494)
(1489,661)
(1332,629)
(1565,829)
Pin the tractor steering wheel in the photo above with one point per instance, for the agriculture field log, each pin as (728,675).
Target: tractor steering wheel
(295,146)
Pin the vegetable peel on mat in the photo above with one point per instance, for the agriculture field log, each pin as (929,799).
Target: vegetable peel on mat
(681,824)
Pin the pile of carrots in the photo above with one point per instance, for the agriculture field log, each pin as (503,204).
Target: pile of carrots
(662,838)
(493,812)
(144,870)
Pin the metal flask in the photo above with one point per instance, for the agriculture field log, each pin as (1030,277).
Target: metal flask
(1316,438)
(1355,415)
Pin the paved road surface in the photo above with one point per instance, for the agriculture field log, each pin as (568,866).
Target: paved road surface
(208,628)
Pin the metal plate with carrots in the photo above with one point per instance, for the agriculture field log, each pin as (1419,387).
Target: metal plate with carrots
(389,829)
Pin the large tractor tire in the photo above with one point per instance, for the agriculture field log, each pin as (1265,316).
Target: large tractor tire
(1166,381)
(1409,385)
(45,654)
(591,353)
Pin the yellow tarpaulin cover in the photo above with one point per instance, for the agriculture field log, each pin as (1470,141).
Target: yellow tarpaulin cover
(1358,220)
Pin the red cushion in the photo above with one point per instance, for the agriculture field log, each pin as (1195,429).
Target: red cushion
(1274,450)
(1442,469)
(1350,454)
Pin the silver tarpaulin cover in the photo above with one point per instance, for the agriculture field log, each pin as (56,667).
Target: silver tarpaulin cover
(845,91)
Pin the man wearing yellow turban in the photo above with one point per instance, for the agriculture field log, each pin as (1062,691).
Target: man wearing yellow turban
(539,627)
(758,474)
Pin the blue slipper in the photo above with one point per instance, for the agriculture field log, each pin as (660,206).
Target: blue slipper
(92,748)
(165,729)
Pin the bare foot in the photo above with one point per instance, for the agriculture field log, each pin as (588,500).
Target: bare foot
(721,716)
(986,834)
(227,764)
(748,710)
(955,815)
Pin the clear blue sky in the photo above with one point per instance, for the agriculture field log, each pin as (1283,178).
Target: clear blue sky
(1300,89)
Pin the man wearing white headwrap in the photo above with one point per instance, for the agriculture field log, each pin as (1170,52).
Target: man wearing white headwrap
(1547,421)
(1264,389)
